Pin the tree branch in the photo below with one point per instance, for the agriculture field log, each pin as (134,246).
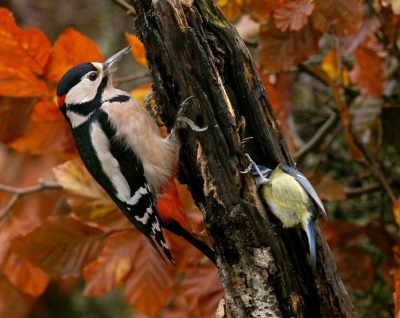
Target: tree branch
(20,192)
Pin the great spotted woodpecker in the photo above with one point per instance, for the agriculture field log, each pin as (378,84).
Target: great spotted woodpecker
(122,148)
(291,198)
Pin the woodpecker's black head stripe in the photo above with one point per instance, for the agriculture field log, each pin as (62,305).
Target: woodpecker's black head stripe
(73,77)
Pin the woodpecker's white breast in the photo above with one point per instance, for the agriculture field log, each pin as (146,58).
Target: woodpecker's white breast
(138,131)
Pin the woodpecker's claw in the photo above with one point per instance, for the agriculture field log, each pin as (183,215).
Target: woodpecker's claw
(153,110)
(183,121)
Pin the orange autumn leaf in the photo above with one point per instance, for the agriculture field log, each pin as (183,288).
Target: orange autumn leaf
(292,15)
(30,279)
(138,50)
(396,211)
(260,10)
(330,64)
(46,137)
(20,82)
(46,111)
(71,49)
(29,49)
(60,245)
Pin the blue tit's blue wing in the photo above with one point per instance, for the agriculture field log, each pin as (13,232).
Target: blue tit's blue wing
(306,185)
(311,242)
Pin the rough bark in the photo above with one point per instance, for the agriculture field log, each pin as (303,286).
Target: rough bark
(192,50)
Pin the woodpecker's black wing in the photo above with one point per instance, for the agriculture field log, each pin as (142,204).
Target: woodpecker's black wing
(125,181)
(306,185)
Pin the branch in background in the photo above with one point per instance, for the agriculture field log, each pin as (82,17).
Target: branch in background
(142,75)
(129,9)
(20,192)
(317,138)
(355,192)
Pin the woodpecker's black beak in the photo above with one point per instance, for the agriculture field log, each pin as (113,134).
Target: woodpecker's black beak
(110,65)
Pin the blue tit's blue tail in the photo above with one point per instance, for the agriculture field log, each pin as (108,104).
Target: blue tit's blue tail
(311,242)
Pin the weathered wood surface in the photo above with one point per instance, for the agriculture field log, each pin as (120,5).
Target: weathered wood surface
(193,51)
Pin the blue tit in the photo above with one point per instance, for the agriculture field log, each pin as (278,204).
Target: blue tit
(291,198)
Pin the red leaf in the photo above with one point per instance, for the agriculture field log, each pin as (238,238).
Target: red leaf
(292,15)
(367,72)
(342,17)
(279,51)
(60,245)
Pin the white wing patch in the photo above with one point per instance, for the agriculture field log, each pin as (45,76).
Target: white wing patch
(110,165)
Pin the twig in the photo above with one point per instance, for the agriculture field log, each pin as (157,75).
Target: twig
(20,192)
(129,9)
(354,192)
(134,77)
(318,136)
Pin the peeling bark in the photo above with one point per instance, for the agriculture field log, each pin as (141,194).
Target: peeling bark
(193,50)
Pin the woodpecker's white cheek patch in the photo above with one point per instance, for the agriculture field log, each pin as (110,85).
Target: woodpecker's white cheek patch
(109,164)
(83,92)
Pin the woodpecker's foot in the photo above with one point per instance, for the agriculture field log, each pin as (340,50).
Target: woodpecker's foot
(183,121)
(153,110)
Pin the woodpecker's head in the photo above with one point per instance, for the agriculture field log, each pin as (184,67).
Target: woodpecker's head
(80,90)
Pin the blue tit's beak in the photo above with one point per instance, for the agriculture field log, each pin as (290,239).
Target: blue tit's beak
(110,65)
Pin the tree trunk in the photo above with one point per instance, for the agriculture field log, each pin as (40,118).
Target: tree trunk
(193,50)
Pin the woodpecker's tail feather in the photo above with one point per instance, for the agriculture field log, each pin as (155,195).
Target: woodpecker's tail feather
(165,249)
(173,218)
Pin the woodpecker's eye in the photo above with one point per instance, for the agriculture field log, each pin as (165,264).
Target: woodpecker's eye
(92,76)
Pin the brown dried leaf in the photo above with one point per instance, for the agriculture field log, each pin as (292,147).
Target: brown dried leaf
(280,51)
(341,17)
(113,264)
(202,288)
(327,188)
(13,302)
(60,245)
(292,15)
(355,268)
